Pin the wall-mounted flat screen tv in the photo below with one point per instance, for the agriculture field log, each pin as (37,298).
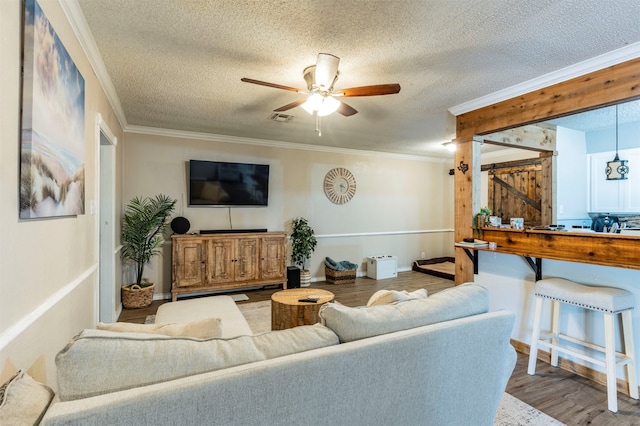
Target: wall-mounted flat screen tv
(215,183)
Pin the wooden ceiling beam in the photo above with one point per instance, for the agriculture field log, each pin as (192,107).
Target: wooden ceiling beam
(614,84)
(535,137)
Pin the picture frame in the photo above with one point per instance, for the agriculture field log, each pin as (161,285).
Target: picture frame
(52,123)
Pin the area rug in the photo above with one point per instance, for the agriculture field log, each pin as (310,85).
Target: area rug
(239,297)
(258,315)
(511,412)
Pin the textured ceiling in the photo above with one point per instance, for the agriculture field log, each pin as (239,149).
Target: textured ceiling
(177,64)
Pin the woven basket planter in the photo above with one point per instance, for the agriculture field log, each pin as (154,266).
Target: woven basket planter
(134,297)
(340,277)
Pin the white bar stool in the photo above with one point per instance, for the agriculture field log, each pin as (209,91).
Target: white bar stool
(608,300)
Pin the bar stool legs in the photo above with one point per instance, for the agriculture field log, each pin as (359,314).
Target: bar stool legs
(535,337)
(632,375)
(605,299)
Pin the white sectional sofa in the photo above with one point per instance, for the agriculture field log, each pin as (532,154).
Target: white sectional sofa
(444,360)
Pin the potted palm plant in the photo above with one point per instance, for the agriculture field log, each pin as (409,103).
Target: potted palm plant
(303,243)
(145,220)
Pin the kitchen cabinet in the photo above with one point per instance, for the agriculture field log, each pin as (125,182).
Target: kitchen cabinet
(214,262)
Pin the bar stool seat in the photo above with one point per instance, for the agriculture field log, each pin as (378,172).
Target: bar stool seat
(608,300)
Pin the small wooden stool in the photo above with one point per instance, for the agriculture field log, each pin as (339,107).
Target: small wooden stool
(608,300)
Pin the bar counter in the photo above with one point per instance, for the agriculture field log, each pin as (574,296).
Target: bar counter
(598,248)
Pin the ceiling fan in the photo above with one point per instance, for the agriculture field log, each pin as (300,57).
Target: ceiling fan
(320,79)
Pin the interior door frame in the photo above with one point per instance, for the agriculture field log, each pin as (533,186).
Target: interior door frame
(106,142)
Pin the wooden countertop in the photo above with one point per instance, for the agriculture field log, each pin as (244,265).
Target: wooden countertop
(598,248)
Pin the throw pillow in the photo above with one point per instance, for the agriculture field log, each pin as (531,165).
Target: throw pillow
(23,400)
(97,362)
(201,329)
(383,297)
(362,322)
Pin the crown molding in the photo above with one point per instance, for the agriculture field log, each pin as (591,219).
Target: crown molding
(626,53)
(78,23)
(183,134)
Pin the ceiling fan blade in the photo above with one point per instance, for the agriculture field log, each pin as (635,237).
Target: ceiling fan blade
(275,86)
(326,70)
(378,89)
(291,105)
(347,110)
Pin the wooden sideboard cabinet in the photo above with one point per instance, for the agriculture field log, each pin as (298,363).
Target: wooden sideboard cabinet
(214,262)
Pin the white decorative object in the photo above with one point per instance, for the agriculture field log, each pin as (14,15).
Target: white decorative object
(382,267)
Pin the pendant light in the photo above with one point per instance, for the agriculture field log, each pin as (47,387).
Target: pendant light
(617,169)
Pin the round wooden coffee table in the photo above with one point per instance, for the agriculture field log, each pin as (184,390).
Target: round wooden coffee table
(288,312)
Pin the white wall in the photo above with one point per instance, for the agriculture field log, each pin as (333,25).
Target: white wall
(48,267)
(403,205)
(572,178)
(605,139)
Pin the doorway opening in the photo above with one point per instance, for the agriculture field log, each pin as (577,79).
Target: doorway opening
(108,294)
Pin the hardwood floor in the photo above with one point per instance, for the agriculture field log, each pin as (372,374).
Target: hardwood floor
(565,396)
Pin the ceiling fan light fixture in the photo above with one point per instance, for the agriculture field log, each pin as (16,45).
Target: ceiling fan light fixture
(322,105)
(329,106)
(313,103)
(450,146)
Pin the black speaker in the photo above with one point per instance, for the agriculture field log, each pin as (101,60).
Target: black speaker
(293,277)
(180,225)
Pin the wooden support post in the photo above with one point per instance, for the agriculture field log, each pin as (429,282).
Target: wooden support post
(467,201)
(548,211)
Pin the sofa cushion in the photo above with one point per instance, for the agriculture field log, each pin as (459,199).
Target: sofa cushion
(223,307)
(97,362)
(23,400)
(362,322)
(201,329)
(384,297)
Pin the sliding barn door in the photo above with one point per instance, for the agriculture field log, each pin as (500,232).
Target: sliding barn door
(516,189)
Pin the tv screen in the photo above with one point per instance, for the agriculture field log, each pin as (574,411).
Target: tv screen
(214,183)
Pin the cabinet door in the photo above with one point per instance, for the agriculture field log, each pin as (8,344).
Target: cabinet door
(219,265)
(272,258)
(246,259)
(632,184)
(188,263)
(614,196)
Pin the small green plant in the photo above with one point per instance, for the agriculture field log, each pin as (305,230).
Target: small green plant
(480,220)
(303,241)
(143,226)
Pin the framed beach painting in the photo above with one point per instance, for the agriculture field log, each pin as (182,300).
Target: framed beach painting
(52,153)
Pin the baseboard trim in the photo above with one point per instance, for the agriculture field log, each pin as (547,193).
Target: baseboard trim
(22,325)
(573,367)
